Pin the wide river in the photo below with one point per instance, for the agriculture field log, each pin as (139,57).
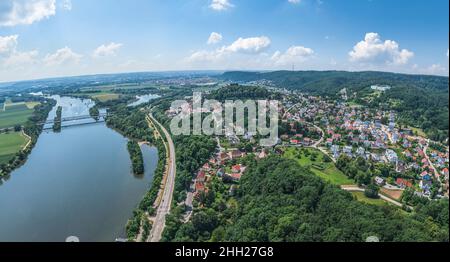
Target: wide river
(75,183)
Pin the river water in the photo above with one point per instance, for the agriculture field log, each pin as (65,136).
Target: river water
(75,183)
(144,99)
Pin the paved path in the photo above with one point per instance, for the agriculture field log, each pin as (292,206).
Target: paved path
(316,145)
(425,151)
(169,183)
(354,188)
(29,140)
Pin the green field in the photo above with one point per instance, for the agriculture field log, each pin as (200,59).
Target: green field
(326,171)
(419,131)
(14,114)
(10,144)
(102,96)
(362,198)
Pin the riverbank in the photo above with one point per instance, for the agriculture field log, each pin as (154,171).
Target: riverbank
(137,161)
(59,192)
(137,228)
(32,130)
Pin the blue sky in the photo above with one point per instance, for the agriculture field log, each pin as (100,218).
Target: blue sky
(46,38)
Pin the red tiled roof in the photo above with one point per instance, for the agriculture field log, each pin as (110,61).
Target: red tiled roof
(201,175)
(236,176)
(236,168)
(199,186)
(404,182)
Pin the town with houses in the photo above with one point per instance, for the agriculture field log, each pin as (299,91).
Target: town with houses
(336,129)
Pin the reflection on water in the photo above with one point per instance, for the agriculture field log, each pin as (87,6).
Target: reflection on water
(75,183)
(71,107)
(144,99)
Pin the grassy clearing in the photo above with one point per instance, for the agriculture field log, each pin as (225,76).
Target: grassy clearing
(10,144)
(362,198)
(418,131)
(31,105)
(324,170)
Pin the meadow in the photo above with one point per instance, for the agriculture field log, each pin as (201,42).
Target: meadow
(10,144)
(312,158)
(101,96)
(373,201)
(12,114)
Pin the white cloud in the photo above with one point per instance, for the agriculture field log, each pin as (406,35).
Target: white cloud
(294,1)
(447,53)
(249,45)
(214,38)
(10,57)
(295,54)
(66,5)
(25,12)
(434,69)
(252,45)
(62,56)
(373,50)
(220,5)
(205,56)
(8,44)
(18,59)
(107,50)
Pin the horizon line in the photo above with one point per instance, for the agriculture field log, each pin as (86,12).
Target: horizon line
(219,71)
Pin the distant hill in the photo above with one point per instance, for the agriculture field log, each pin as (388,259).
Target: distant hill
(330,82)
(421,100)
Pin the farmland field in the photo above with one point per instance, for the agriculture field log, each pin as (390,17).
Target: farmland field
(15,114)
(102,96)
(10,144)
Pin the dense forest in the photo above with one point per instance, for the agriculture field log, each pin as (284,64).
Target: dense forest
(422,101)
(278,200)
(130,122)
(137,160)
(94,112)
(239,92)
(192,152)
(57,120)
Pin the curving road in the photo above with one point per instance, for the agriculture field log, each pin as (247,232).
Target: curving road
(168,186)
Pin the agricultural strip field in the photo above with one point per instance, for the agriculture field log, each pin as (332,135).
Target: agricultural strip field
(10,144)
(12,114)
(101,96)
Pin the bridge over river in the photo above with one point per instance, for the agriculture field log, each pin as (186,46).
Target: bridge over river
(76,120)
